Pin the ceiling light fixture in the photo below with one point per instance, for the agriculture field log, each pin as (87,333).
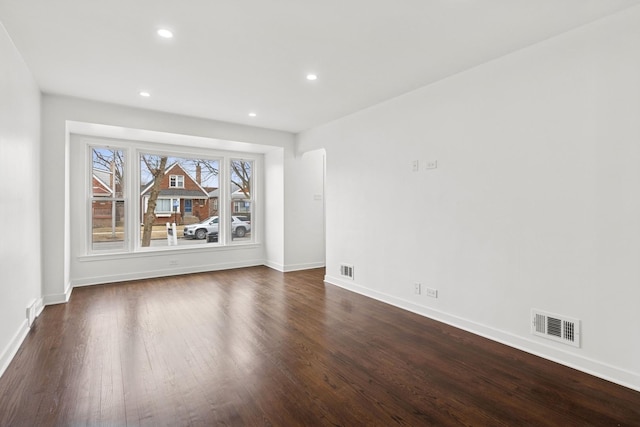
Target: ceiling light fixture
(252,114)
(312,77)
(145,94)
(164,33)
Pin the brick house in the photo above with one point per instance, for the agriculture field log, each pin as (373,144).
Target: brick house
(240,204)
(104,212)
(181,199)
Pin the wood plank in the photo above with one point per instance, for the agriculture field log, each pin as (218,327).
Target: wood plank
(258,347)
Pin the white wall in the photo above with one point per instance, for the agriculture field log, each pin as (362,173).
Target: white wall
(295,210)
(20,265)
(535,202)
(63,266)
(274,209)
(304,234)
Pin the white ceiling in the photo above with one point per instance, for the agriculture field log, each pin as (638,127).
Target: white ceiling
(230,57)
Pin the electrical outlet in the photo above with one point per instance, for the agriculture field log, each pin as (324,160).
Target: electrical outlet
(173,262)
(417,288)
(433,293)
(415,166)
(432,164)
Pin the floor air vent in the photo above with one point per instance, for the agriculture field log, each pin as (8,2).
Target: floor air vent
(346,271)
(558,328)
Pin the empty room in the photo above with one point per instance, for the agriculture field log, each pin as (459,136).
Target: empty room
(334,213)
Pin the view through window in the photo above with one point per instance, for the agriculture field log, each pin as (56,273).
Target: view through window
(241,201)
(180,190)
(107,199)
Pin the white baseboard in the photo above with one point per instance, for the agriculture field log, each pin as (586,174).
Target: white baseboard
(306,266)
(546,351)
(294,267)
(173,271)
(14,344)
(40,306)
(33,310)
(276,266)
(58,298)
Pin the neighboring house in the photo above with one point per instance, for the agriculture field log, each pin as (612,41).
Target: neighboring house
(214,197)
(181,199)
(102,183)
(105,213)
(240,203)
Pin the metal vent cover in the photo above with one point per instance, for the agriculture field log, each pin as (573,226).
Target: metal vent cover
(346,270)
(554,327)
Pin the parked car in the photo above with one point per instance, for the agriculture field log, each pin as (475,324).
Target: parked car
(239,226)
(200,230)
(244,218)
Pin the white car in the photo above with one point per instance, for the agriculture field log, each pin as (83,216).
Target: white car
(239,228)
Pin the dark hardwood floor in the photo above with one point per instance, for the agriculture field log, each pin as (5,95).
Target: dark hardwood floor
(255,347)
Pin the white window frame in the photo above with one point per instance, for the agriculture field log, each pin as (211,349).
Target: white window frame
(163,214)
(132,198)
(231,203)
(90,146)
(177,179)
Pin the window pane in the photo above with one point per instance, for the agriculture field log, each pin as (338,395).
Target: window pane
(163,206)
(108,221)
(179,190)
(176,181)
(241,199)
(107,204)
(241,221)
(107,173)
(241,177)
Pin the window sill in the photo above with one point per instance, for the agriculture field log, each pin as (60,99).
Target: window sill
(151,252)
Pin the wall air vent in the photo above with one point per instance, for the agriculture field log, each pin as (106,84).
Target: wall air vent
(31,314)
(557,328)
(346,271)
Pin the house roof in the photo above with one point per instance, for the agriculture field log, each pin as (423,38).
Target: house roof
(102,178)
(170,170)
(235,195)
(103,175)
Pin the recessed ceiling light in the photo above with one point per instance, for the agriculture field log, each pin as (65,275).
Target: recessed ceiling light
(312,77)
(252,114)
(164,33)
(145,94)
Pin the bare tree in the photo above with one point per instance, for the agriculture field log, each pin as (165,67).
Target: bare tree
(113,162)
(209,168)
(156,165)
(241,176)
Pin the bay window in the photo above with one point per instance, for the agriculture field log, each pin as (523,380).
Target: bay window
(209,195)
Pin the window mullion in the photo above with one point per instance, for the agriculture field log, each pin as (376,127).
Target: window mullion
(223,234)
